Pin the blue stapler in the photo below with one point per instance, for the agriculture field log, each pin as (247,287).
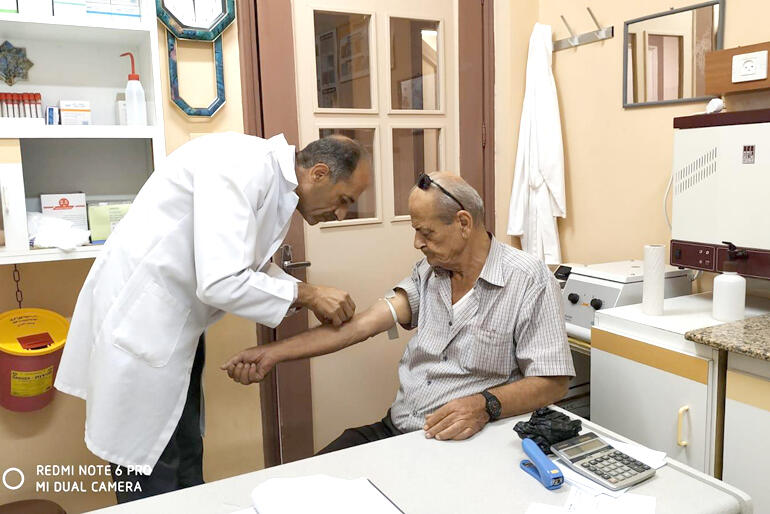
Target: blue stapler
(540,466)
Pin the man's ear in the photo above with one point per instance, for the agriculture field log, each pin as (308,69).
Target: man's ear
(466,223)
(318,172)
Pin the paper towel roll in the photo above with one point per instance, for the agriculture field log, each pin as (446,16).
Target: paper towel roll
(654,275)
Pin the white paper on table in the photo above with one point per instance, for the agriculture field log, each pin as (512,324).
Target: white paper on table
(320,494)
(581,502)
(652,458)
(250,510)
(542,508)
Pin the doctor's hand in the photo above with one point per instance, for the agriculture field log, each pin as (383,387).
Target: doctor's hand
(330,305)
(252,364)
(458,419)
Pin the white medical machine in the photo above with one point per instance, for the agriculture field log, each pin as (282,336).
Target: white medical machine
(721,192)
(610,284)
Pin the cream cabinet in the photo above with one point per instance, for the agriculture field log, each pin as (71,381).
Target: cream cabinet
(747,428)
(655,396)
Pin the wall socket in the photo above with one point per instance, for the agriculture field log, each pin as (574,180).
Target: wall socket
(751,66)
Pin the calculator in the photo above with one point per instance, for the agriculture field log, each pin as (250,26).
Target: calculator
(594,458)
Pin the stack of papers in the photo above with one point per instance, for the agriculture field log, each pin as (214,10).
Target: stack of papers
(320,494)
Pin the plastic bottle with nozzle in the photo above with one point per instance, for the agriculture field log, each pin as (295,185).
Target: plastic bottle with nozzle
(136,107)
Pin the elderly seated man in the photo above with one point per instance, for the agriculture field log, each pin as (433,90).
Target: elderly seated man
(490,338)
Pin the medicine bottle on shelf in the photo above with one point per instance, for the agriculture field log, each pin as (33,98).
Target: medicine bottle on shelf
(136,108)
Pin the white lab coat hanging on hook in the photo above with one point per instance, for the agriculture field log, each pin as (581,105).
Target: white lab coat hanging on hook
(537,196)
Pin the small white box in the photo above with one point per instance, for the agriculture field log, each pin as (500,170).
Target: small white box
(36,8)
(9,6)
(75,112)
(99,8)
(68,206)
(126,8)
(75,9)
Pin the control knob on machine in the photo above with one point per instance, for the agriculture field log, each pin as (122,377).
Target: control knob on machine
(573,298)
(596,303)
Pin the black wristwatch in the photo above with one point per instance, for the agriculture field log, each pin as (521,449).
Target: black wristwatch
(494,409)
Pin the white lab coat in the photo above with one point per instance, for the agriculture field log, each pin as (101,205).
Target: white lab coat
(537,196)
(188,250)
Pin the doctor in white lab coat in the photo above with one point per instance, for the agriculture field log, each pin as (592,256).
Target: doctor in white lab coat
(537,196)
(194,245)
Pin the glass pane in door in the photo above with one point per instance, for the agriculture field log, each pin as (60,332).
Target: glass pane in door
(342,60)
(415,150)
(414,64)
(366,206)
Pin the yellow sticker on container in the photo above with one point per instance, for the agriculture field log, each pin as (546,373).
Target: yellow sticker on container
(31,383)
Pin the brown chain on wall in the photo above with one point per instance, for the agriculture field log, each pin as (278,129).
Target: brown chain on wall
(17,278)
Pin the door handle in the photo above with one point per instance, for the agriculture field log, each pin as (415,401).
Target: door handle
(286,260)
(679,439)
(287,265)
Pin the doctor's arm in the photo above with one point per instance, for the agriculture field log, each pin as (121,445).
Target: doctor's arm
(225,231)
(253,364)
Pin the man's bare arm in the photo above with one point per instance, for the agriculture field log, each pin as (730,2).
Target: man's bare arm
(251,365)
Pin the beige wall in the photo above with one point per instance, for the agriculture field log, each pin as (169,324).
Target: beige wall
(54,435)
(513,25)
(617,161)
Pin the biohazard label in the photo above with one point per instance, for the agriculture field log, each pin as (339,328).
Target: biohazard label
(31,383)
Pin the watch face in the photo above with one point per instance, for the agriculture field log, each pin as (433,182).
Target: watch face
(494,407)
(198,14)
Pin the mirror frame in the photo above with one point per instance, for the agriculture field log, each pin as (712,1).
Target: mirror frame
(719,46)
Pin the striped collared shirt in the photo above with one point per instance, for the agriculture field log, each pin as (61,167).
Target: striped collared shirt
(511,327)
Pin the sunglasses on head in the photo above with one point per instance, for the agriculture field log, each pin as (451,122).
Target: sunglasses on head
(424,181)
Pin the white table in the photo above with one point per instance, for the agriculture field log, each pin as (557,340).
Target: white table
(423,476)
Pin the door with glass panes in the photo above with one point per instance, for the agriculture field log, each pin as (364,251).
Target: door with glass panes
(385,74)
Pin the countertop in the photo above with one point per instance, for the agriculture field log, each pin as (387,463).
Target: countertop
(749,337)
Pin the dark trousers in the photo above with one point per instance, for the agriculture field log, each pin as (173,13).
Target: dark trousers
(362,435)
(181,463)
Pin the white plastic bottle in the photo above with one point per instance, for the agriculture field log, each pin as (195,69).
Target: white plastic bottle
(729,302)
(136,108)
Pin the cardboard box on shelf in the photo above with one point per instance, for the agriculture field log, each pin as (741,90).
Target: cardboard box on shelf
(103,217)
(68,206)
(75,112)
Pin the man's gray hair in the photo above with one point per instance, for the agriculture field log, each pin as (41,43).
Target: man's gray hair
(446,208)
(340,154)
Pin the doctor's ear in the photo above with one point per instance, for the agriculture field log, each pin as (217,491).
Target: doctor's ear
(318,172)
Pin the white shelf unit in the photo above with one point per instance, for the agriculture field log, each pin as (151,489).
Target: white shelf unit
(79,59)
(8,131)
(48,254)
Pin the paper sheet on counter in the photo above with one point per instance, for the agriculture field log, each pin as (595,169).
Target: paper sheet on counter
(581,502)
(320,494)
(652,458)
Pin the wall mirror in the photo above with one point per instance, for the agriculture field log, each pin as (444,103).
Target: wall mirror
(664,56)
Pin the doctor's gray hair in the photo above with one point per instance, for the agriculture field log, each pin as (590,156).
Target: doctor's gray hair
(446,207)
(341,154)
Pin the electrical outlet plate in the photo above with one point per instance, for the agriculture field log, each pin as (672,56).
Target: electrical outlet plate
(751,66)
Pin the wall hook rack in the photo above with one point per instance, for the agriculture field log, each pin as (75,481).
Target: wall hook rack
(600,34)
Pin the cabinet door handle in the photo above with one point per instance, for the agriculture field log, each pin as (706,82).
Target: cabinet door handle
(679,440)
